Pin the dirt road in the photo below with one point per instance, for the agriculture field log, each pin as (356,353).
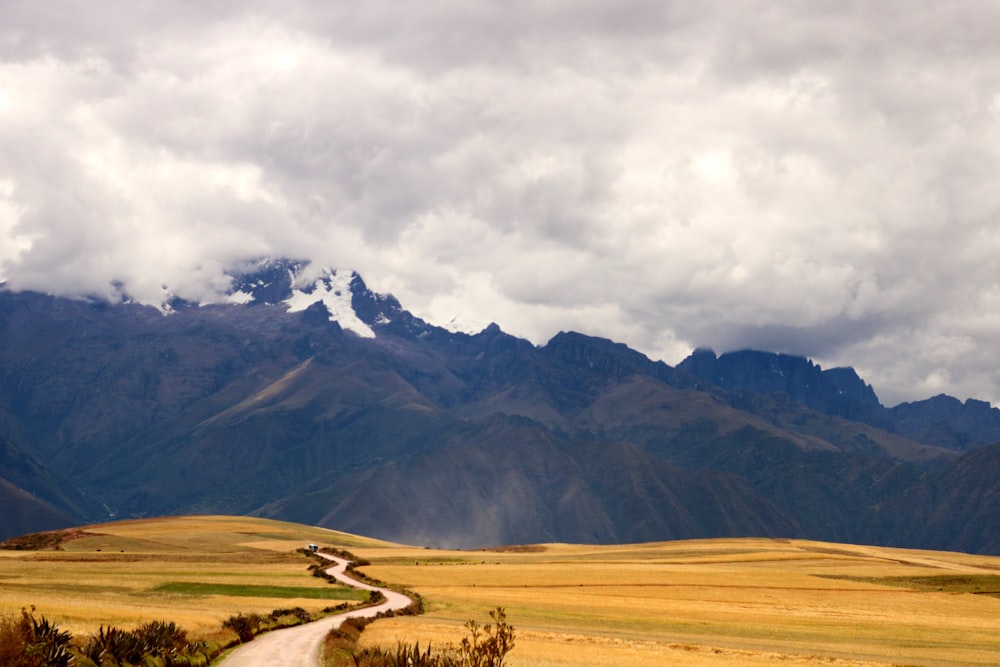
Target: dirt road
(300,646)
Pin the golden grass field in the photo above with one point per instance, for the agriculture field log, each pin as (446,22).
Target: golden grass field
(111,573)
(705,602)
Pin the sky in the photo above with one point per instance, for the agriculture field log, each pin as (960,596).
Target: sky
(811,177)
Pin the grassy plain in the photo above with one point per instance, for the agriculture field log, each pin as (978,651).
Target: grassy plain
(705,602)
(196,571)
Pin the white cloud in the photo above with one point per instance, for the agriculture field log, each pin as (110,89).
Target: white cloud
(794,176)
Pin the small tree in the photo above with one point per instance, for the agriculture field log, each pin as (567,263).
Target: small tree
(487,645)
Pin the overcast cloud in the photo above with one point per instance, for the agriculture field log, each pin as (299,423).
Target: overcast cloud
(811,177)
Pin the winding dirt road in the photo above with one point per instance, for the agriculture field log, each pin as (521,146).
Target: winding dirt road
(300,646)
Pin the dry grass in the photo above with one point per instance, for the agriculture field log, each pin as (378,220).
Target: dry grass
(709,602)
(719,602)
(110,574)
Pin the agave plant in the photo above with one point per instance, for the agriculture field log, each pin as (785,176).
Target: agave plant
(45,644)
(159,638)
(115,645)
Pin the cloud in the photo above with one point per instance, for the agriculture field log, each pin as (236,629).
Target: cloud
(803,177)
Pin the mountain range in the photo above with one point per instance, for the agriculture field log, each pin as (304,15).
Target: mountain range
(306,396)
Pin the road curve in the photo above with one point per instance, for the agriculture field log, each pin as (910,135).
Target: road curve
(300,646)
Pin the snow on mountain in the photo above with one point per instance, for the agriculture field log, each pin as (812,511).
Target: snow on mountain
(239,298)
(465,324)
(333,290)
(298,284)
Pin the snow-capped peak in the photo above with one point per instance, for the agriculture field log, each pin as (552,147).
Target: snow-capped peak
(298,284)
(333,290)
(465,324)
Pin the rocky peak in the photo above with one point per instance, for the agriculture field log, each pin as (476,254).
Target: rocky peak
(838,391)
(383,312)
(947,420)
(603,355)
(265,281)
(342,294)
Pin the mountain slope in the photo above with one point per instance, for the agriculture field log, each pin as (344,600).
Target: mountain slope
(24,513)
(33,498)
(310,397)
(514,482)
(954,509)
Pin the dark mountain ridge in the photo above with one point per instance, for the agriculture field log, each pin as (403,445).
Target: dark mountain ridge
(310,397)
(943,421)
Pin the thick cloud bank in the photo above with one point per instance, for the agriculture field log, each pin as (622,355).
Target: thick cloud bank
(806,177)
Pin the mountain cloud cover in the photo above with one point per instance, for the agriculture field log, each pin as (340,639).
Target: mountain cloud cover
(802,177)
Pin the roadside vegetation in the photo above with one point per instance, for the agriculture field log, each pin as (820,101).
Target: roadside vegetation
(27,641)
(31,640)
(484,645)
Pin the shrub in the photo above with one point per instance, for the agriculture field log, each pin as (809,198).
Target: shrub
(26,641)
(113,645)
(244,625)
(485,646)
(408,656)
(299,615)
(153,644)
(161,638)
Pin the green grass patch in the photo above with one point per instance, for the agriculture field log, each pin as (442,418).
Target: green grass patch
(979,584)
(258,591)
